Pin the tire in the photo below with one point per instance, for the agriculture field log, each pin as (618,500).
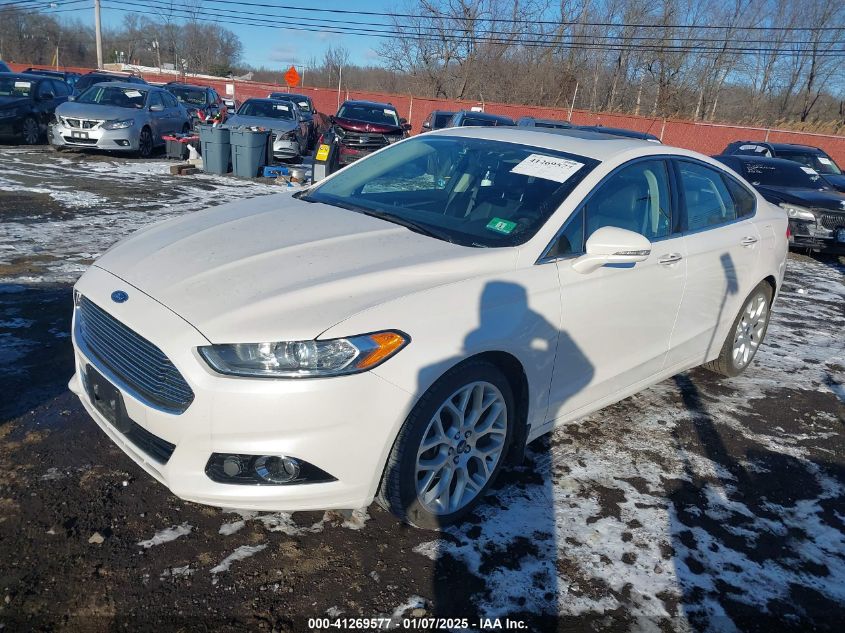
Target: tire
(411,488)
(145,143)
(30,131)
(746,334)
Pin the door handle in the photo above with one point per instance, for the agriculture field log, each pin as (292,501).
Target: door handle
(671,258)
(749,241)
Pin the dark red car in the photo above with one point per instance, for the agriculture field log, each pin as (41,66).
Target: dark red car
(359,128)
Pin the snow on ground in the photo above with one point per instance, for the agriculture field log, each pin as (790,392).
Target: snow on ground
(88,203)
(166,535)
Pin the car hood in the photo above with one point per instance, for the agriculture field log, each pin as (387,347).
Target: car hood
(12,102)
(95,111)
(837,181)
(259,121)
(364,126)
(807,197)
(278,268)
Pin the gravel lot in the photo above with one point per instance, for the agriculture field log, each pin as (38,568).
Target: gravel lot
(698,504)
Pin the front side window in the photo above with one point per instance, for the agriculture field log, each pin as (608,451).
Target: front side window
(635,198)
(106,94)
(706,197)
(473,192)
(169,100)
(155,99)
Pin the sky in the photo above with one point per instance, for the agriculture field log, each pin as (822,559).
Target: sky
(279,48)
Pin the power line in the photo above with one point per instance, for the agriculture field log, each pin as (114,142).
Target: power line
(534,43)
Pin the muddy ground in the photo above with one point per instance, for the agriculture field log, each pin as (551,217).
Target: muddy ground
(699,504)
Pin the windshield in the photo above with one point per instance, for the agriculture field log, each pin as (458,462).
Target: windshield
(266,109)
(820,162)
(781,175)
(369,114)
(299,100)
(110,95)
(189,95)
(15,87)
(473,192)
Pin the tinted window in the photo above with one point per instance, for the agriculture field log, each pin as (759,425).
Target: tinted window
(441,120)
(707,200)
(61,88)
(820,162)
(45,86)
(169,100)
(635,198)
(744,201)
(108,94)
(370,114)
(473,192)
(191,96)
(15,86)
(155,99)
(571,239)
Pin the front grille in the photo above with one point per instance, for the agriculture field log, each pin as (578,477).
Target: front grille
(142,367)
(365,140)
(82,124)
(832,220)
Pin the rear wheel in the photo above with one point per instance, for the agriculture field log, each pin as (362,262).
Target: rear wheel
(746,333)
(450,448)
(145,143)
(30,131)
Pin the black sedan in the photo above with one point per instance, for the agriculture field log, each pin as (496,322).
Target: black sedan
(809,156)
(816,211)
(27,104)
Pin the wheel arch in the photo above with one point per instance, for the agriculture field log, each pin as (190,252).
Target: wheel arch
(770,279)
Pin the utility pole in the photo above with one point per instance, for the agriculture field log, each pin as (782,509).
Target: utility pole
(98,33)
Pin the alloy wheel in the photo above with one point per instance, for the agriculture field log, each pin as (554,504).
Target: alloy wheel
(461,448)
(145,143)
(750,329)
(30,131)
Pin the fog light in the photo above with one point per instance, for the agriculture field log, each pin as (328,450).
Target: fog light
(122,142)
(278,470)
(232,466)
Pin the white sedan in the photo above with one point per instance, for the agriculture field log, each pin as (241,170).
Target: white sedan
(402,330)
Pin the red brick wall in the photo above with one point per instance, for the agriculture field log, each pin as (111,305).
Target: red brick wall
(706,138)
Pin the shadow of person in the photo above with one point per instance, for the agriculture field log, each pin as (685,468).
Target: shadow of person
(502,560)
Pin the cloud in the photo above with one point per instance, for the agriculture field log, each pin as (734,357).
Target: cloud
(284,54)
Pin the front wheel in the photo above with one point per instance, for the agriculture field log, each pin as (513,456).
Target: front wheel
(30,131)
(746,333)
(145,143)
(451,447)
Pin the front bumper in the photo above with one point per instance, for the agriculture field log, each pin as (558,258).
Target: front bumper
(124,140)
(344,426)
(284,149)
(822,236)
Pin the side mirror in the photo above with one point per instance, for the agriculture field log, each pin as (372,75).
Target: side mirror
(406,126)
(156,108)
(48,96)
(426,125)
(71,98)
(612,245)
(331,119)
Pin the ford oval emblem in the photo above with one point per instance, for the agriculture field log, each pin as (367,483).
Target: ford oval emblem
(118,296)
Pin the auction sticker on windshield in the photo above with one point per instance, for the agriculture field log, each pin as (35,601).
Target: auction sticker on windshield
(547,167)
(132,94)
(501,226)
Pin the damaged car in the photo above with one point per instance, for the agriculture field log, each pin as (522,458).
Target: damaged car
(284,120)
(816,211)
(27,105)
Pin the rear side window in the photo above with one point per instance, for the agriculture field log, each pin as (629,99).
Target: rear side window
(744,201)
(707,200)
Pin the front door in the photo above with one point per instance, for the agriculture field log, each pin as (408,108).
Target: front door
(617,321)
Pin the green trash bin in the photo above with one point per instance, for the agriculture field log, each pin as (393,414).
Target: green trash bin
(249,151)
(215,149)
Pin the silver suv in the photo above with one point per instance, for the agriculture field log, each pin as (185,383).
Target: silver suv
(118,116)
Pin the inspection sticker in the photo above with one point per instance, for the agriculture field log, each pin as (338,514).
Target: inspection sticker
(547,167)
(501,226)
(22,84)
(390,112)
(132,94)
(824,161)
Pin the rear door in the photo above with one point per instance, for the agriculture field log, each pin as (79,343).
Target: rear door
(158,118)
(722,246)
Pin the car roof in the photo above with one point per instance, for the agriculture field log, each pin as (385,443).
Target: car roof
(374,104)
(290,95)
(585,143)
(26,75)
(127,84)
(774,162)
(621,131)
(485,115)
(788,146)
(552,121)
(179,84)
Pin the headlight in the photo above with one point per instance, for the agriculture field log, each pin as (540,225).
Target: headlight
(339,131)
(393,138)
(7,114)
(305,359)
(118,125)
(796,212)
(286,136)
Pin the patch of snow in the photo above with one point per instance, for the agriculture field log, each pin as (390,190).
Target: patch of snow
(243,552)
(166,535)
